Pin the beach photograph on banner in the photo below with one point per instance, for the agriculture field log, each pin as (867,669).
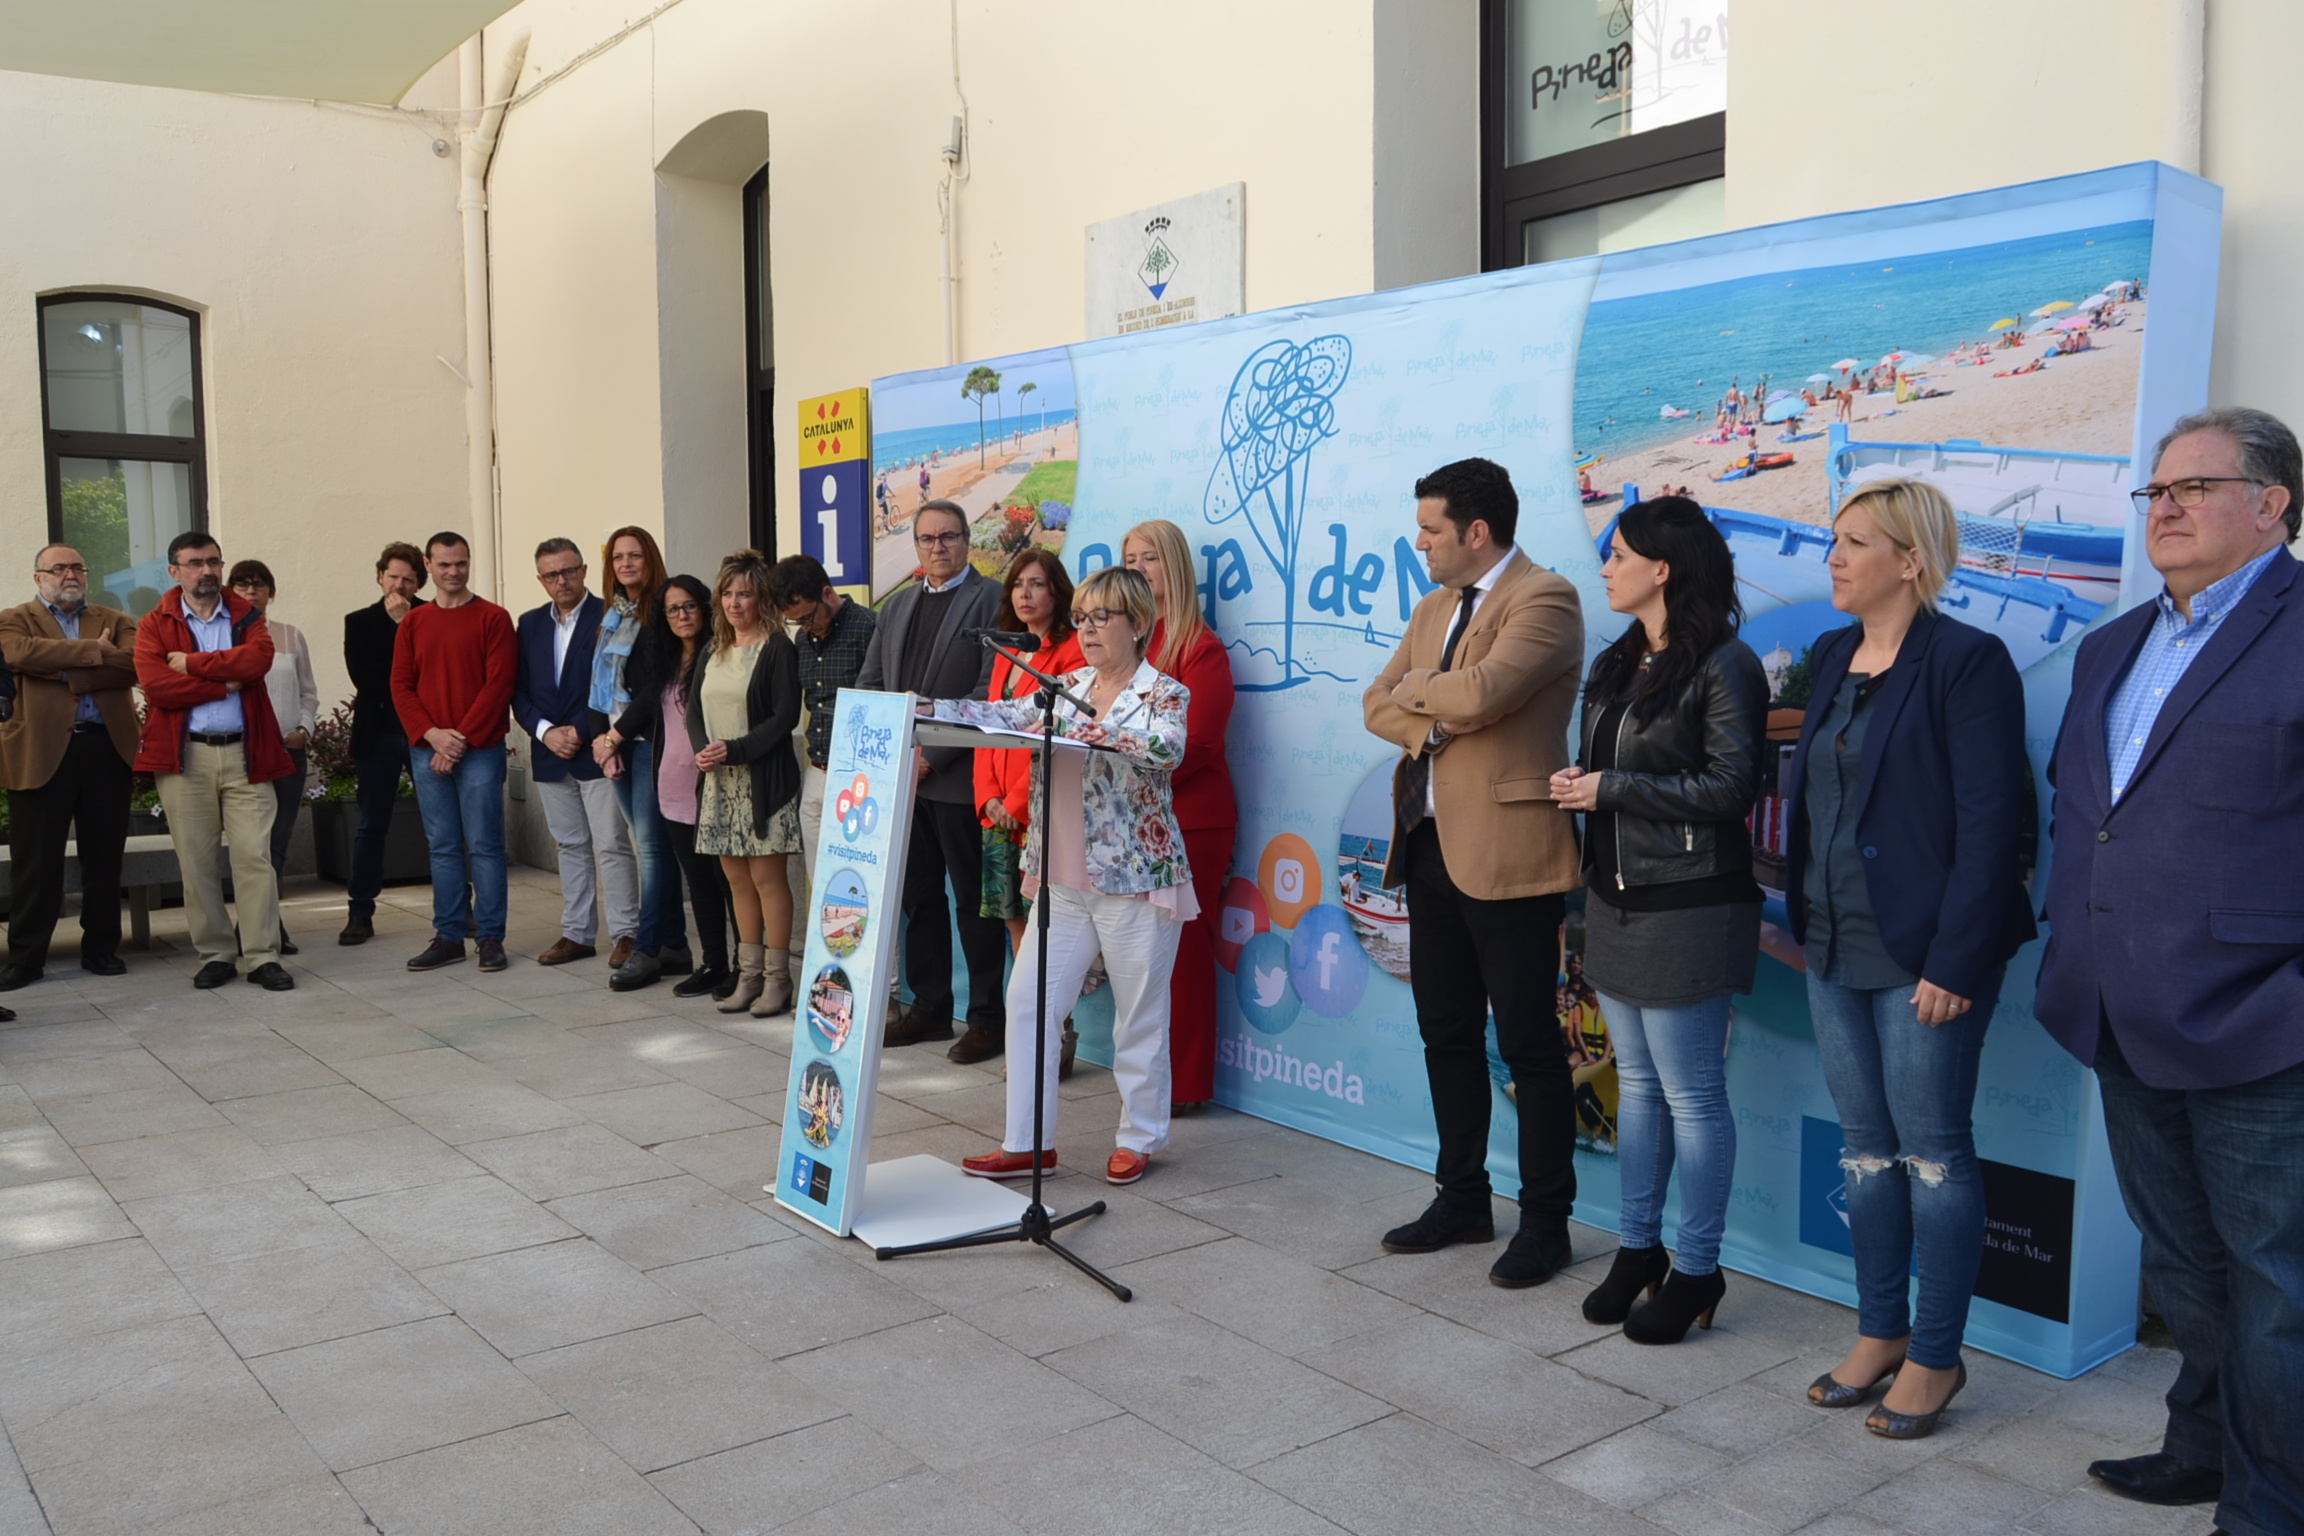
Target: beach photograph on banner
(1000,438)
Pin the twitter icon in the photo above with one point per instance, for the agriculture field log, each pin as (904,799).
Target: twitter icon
(1261,986)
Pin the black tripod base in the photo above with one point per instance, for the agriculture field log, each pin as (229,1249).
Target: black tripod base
(1038,1227)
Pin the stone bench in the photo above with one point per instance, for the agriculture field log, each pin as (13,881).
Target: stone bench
(147,867)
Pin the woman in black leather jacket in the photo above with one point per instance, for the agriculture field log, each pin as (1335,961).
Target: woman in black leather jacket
(1675,713)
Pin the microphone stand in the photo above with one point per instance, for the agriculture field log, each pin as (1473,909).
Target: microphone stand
(1038,1226)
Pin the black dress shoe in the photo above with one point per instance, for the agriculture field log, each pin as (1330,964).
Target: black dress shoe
(1635,1270)
(215,973)
(979,1044)
(704,982)
(272,976)
(14,976)
(1531,1259)
(2159,1479)
(7,1015)
(287,945)
(915,1027)
(438,953)
(1684,1299)
(101,965)
(358,930)
(1440,1225)
(492,956)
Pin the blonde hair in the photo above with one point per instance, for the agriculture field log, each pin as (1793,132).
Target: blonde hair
(1177,595)
(746,566)
(1920,521)
(1117,587)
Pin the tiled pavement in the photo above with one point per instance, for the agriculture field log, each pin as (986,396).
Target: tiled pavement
(488,1255)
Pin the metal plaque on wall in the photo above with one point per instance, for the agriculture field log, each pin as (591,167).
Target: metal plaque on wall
(1169,265)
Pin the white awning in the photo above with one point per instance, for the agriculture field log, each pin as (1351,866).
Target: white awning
(339,50)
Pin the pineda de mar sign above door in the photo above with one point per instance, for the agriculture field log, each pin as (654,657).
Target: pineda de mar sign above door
(2020,348)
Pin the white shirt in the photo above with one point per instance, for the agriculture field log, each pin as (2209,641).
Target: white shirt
(1480,590)
(928,586)
(563,631)
(294,693)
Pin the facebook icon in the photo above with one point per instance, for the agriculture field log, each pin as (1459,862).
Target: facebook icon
(1326,962)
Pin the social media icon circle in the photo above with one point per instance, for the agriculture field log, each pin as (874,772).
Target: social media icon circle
(1326,964)
(1240,918)
(1261,986)
(1289,876)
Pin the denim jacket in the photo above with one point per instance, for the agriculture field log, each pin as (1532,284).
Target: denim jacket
(1134,845)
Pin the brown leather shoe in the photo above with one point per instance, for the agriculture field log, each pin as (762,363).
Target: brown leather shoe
(621,953)
(564,950)
(915,1027)
(979,1044)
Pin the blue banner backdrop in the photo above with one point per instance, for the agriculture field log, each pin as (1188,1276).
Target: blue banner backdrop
(1995,343)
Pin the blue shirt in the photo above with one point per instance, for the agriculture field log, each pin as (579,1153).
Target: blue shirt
(223,715)
(2169,648)
(84,704)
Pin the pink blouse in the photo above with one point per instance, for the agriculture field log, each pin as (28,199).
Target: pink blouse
(676,768)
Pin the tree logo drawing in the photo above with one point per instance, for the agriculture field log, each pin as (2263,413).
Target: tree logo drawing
(1158,267)
(1282,405)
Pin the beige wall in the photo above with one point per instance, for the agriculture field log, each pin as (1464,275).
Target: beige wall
(1834,106)
(318,243)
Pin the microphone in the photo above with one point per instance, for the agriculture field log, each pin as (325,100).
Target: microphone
(1025,642)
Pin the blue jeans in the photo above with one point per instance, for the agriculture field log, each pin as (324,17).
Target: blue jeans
(1672,1106)
(662,923)
(1908,1149)
(464,822)
(2214,1179)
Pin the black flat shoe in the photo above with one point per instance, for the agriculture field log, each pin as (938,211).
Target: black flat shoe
(2159,1479)
(104,965)
(438,953)
(358,930)
(272,976)
(1683,1299)
(705,982)
(1888,1424)
(1635,1270)
(1531,1258)
(1440,1225)
(214,974)
(1829,1391)
(15,976)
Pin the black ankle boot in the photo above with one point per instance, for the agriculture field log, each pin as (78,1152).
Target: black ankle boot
(1684,1299)
(1635,1270)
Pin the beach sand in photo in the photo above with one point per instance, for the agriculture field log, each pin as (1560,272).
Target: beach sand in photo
(978,488)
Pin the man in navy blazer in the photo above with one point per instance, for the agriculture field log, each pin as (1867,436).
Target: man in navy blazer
(2175,962)
(549,702)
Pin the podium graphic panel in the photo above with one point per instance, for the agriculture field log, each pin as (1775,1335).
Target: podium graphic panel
(855,905)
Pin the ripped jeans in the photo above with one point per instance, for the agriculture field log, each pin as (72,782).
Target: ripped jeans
(1904,1092)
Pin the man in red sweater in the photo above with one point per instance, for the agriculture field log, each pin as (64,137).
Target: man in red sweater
(453,666)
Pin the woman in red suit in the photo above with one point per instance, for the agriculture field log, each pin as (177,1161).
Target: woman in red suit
(1185,648)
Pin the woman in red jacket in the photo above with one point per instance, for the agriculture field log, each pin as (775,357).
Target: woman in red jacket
(1186,649)
(1035,596)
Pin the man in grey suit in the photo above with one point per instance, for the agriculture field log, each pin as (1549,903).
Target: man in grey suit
(922,646)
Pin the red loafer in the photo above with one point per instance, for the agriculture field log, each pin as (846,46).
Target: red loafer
(1126,1167)
(1006,1165)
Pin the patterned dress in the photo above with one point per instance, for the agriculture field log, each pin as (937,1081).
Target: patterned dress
(724,805)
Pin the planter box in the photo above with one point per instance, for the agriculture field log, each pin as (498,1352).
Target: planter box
(407,857)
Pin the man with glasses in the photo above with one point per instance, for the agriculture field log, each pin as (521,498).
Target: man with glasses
(549,700)
(922,647)
(64,754)
(832,634)
(2175,962)
(213,748)
(453,672)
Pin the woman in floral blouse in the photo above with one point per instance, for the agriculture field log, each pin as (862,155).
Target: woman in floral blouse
(1116,877)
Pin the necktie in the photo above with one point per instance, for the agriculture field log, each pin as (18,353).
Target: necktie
(1412,788)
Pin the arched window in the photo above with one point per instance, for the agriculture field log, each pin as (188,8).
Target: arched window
(127,459)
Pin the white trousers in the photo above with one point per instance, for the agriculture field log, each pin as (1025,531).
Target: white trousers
(1138,942)
(588,826)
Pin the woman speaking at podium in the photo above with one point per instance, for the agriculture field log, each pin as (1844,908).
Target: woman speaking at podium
(1116,879)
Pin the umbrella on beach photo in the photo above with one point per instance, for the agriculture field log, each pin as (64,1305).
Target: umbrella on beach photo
(1892,359)
(2094,301)
(1784,408)
(2070,323)
(1847,365)
(1819,378)
(2001,325)
(1586,461)
(2049,309)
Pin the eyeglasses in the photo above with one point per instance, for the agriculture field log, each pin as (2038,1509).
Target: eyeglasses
(1093,618)
(565,573)
(216,564)
(61,570)
(939,540)
(2187,493)
(251,584)
(680,610)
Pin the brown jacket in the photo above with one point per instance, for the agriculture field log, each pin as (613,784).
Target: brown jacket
(50,670)
(1521,659)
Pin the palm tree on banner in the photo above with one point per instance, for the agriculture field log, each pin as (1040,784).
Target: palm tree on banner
(1023,389)
(1282,403)
(981,381)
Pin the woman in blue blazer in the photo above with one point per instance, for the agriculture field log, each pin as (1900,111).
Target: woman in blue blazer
(1910,802)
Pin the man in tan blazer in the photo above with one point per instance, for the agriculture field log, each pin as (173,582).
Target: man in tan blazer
(65,755)
(1478,697)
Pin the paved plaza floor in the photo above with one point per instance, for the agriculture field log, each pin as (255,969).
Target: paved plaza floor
(467,1255)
